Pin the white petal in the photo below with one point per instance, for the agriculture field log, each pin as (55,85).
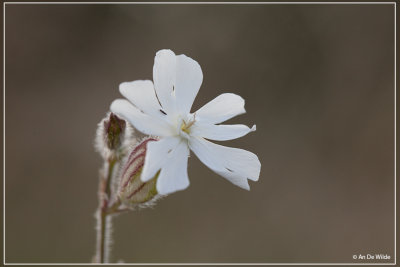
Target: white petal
(234,164)
(220,132)
(164,73)
(144,123)
(142,95)
(157,153)
(173,176)
(221,108)
(187,84)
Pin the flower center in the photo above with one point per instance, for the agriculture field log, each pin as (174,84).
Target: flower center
(185,126)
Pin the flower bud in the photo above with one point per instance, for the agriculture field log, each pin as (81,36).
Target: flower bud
(114,129)
(132,190)
(112,134)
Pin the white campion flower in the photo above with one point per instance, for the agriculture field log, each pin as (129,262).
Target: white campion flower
(163,109)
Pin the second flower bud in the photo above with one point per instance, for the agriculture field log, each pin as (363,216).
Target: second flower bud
(132,190)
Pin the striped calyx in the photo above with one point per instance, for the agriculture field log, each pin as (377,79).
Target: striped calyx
(131,189)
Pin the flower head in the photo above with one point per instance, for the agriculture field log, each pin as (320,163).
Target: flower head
(163,109)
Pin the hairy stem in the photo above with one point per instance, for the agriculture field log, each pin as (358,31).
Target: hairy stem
(102,238)
(104,213)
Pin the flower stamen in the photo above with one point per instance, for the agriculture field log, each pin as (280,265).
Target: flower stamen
(185,127)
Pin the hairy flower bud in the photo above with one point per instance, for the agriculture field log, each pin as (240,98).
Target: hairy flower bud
(114,129)
(113,133)
(132,190)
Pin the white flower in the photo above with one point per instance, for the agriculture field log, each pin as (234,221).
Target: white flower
(163,110)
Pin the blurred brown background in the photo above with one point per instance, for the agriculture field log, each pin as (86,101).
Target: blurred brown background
(318,82)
